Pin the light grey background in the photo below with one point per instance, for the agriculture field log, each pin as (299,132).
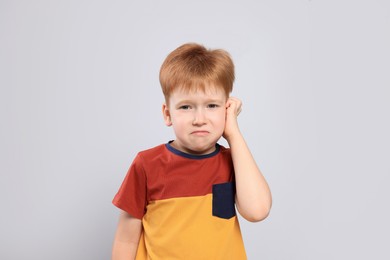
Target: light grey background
(80,96)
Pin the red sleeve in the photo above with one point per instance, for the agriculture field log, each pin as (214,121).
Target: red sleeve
(131,196)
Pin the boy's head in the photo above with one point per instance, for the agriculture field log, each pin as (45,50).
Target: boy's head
(192,67)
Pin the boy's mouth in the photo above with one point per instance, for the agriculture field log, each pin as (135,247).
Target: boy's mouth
(200,133)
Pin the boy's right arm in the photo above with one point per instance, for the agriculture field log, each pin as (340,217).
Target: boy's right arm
(127,237)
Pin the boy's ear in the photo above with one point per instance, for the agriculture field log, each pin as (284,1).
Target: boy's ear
(166,115)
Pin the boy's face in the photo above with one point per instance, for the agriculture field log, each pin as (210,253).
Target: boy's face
(198,119)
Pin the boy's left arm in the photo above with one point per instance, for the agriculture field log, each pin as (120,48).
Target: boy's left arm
(253,196)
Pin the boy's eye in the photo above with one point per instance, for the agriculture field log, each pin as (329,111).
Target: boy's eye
(184,107)
(212,106)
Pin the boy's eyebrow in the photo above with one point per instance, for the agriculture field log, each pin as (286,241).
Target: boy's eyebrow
(215,100)
(206,101)
(184,101)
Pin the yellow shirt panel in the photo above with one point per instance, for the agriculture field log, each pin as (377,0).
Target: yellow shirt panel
(184,228)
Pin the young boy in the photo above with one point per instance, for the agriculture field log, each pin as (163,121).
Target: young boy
(178,199)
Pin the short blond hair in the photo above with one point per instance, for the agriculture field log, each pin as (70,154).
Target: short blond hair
(191,66)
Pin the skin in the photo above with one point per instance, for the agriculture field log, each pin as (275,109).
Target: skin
(199,120)
(127,237)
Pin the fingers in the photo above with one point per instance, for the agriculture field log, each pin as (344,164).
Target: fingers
(235,105)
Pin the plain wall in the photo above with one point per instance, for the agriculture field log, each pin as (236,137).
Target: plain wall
(80,97)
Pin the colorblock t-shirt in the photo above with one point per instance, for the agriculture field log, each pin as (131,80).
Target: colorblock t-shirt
(186,203)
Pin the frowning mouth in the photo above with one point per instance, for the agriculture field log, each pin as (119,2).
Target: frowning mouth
(200,133)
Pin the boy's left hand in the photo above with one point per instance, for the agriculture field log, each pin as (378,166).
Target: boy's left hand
(233,109)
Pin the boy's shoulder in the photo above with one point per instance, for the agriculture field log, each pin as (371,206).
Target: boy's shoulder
(154,151)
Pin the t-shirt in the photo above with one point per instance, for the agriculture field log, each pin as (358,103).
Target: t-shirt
(186,203)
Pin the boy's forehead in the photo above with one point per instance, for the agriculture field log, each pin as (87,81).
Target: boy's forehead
(196,95)
(209,92)
(205,88)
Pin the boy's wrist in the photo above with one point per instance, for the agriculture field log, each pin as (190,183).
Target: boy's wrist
(233,137)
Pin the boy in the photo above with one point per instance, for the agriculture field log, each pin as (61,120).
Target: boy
(178,199)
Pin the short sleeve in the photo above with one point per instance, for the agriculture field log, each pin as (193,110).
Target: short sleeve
(131,196)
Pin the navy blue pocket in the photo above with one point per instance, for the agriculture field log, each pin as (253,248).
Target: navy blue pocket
(223,200)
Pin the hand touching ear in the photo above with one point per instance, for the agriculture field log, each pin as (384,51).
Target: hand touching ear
(253,196)
(233,109)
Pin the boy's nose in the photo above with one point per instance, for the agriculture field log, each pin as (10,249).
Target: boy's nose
(199,118)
